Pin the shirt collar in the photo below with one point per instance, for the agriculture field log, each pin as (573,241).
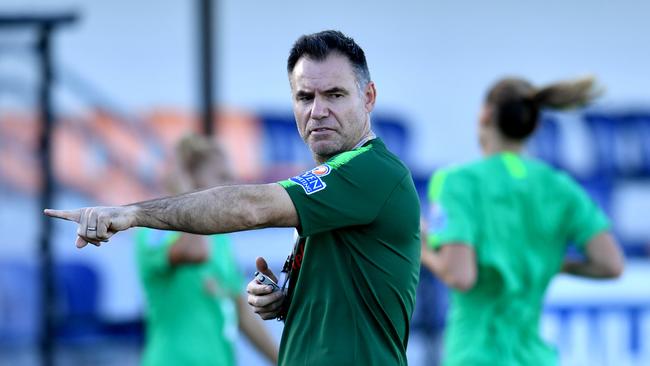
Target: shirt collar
(368,137)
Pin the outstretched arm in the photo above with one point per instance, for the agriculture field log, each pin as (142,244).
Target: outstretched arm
(215,210)
(603,259)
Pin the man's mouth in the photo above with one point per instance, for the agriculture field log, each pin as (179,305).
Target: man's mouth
(320,130)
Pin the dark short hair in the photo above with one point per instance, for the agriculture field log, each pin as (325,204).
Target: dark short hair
(318,46)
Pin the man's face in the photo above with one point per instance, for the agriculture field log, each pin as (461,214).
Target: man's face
(331,113)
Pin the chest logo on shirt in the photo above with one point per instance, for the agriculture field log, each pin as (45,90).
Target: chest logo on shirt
(311,180)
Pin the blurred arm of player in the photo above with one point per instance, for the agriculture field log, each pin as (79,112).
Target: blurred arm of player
(453,263)
(190,248)
(603,259)
(215,210)
(256,331)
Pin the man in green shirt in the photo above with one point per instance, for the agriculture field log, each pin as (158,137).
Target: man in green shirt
(357,213)
(499,230)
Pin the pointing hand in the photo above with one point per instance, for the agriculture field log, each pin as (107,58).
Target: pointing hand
(96,224)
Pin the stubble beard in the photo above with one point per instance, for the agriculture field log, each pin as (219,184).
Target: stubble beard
(323,150)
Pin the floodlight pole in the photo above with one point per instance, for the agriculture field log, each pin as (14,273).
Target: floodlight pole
(44,51)
(207,102)
(45,26)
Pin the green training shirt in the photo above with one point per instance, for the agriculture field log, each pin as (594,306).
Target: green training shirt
(355,290)
(191,314)
(519,216)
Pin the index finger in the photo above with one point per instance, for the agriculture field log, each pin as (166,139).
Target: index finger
(70,215)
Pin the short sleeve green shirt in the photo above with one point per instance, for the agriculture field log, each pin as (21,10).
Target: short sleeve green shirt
(191,313)
(355,291)
(519,215)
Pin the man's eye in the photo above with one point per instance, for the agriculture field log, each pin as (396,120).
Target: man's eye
(304,98)
(337,95)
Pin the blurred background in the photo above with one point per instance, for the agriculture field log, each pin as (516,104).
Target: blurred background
(94,94)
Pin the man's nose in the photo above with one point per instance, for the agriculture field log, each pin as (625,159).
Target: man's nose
(319,108)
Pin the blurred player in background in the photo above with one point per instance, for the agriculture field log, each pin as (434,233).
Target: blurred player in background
(192,284)
(499,230)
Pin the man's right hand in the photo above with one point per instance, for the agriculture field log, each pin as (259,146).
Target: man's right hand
(265,302)
(96,224)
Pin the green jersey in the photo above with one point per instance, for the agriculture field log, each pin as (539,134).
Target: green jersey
(192,314)
(355,290)
(519,216)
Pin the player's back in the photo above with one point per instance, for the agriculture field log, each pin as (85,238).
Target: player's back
(523,209)
(520,211)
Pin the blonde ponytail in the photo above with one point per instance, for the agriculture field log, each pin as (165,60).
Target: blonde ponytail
(517,103)
(567,94)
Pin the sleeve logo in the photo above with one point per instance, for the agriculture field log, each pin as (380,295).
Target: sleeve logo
(311,180)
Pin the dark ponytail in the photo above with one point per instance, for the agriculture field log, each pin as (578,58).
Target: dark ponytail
(516,102)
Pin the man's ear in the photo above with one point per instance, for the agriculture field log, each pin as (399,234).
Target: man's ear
(370,96)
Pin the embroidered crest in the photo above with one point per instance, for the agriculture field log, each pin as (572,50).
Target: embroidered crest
(311,180)
(321,170)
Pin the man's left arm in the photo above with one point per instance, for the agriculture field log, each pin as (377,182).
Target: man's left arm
(215,210)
